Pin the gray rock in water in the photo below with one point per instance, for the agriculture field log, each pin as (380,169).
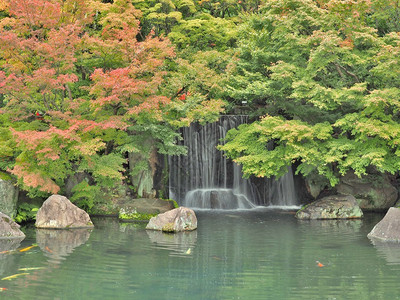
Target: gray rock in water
(8,228)
(388,229)
(331,207)
(178,219)
(58,212)
(8,198)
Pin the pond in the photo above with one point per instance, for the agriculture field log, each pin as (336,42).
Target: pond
(256,254)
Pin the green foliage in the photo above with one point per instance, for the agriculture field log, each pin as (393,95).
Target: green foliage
(328,86)
(176,205)
(87,92)
(26,212)
(86,196)
(204,33)
(134,216)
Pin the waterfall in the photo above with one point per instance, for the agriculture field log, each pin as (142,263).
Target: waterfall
(206,179)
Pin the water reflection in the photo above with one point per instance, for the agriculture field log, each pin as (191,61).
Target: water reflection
(388,250)
(351,225)
(57,244)
(7,246)
(246,255)
(180,243)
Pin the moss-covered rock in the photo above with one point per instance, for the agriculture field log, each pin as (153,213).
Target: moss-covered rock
(8,196)
(143,209)
(331,207)
(176,220)
(132,215)
(169,227)
(372,192)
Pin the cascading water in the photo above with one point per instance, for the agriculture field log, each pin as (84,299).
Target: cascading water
(206,179)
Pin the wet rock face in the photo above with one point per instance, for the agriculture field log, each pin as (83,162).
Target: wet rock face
(8,228)
(8,198)
(388,229)
(331,207)
(373,192)
(58,212)
(178,219)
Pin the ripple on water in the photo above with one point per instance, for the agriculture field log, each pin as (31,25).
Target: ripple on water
(262,254)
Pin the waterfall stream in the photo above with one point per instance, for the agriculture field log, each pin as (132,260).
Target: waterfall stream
(205,178)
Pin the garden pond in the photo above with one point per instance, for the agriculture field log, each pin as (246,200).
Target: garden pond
(249,254)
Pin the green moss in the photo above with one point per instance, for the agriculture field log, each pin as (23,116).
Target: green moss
(176,205)
(302,208)
(5,176)
(169,227)
(134,215)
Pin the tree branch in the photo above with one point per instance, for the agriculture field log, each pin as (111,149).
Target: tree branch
(338,67)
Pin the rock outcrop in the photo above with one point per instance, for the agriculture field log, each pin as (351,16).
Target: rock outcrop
(57,212)
(8,198)
(331,207)
(388,229)
(178,219)
(8,228)
(373,192)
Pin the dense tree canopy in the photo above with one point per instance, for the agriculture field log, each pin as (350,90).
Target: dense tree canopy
(79,92)
(86,83)
(328,85)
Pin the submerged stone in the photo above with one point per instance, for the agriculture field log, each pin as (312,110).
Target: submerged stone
(58,212)
(388,229)
(331,207)
(178,219)
(8,228)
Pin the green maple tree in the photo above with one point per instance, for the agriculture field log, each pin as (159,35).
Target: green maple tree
(327,84)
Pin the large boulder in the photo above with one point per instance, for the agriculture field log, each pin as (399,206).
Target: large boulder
(373,192)
(178,219)
(388,229)
(58,212)
(331,207)
(8,228)
(8,198)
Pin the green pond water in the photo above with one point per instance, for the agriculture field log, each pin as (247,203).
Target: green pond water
(258,254)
